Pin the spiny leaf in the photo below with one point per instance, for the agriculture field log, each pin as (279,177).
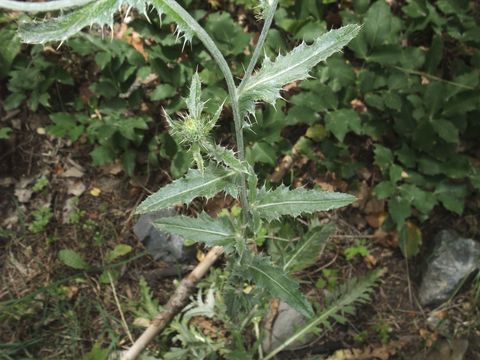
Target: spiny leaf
(194,100)
(227,157)
(61,28)
(97,13)
(266,84)
(168,7)
(202,228)
(270,205)
(309,248)
(353,292)
(184,190)
(278,284)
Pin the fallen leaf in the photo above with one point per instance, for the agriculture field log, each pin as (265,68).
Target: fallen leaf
(376,220)
(75,188)
(200,255)
(358,105)
(73,172)
(23,195)
(370,261)
(95,191)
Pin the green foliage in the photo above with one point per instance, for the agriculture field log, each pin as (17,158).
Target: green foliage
(266,84)
(10,49)
(276,282)
(271,205)
(360,248)
(41,218)
(213,180)
(309,248)
(40,184)
(5,133)
(203,228)
(73,259)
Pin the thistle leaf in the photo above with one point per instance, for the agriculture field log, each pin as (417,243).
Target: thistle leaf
(184,190)
(227,157)
(271,205)
(98,13)
(168,7)
(203,228)
(194,100)
(308,249)
(64,26)
(278,284)
(265,85)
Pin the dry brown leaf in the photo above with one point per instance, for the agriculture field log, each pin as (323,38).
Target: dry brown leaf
(72,172)
(358,105)
(75,188)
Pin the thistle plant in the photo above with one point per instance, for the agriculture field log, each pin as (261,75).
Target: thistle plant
(216,168)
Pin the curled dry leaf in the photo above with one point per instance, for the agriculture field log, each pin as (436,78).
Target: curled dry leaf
(73,172)
(75,188)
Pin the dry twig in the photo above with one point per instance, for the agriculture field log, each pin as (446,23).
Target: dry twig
(176,303)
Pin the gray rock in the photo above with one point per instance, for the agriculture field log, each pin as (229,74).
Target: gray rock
(161,245)
(453,258)
(286,324)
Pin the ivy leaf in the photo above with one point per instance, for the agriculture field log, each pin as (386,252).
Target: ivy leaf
(265,85)
(277,283)
(271,205)
(203,228)
(194,184)
(309,248)
(340,122)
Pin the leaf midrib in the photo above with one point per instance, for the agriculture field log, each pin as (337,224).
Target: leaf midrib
(226,235)
(302,202)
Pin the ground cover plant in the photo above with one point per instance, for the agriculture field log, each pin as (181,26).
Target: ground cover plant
(352,126)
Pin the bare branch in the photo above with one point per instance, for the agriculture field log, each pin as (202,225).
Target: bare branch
(176,303)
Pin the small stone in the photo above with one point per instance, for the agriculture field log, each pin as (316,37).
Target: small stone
(161,245)
(286,324)
(453,258)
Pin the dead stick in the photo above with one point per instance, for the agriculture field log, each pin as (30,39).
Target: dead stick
(176,303)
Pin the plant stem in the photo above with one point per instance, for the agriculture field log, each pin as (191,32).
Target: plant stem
(41,7)
(232,90)
(259,47)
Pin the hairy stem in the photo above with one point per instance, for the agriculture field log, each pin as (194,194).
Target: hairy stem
(175,304)
(232,90)
(259,47)
(41,6)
